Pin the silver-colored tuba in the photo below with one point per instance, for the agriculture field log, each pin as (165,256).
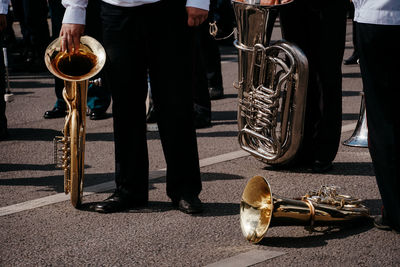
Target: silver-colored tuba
(272,85)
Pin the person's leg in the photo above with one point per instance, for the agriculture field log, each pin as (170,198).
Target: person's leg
(382,91)
(172,95)
(329,50)
(99,97)
(56,15)
(35,12)
(127,75)
(319,31)
(199,84)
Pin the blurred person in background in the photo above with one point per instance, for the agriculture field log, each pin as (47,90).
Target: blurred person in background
(98,97)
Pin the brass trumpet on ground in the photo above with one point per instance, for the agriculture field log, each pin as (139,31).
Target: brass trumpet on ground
(260,209)
(272,85)
(75,70)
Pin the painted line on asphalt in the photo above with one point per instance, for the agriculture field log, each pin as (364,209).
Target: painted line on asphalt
(247,259)
(40,202)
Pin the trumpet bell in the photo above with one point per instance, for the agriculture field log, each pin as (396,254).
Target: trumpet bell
(77,67)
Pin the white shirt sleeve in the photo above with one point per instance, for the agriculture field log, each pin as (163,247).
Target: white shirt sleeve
(203,4)
(75,11)
(4,6)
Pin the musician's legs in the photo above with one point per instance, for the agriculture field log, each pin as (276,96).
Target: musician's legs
(126,72)
(330,49)
(319,31)
(382,92)
(170,71)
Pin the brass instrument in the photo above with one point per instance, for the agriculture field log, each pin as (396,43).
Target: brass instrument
(260,209)
(272,85)
(75,70)
(359,138)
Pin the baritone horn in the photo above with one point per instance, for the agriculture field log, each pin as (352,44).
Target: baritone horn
(260,209)
(272,85)
(75,70)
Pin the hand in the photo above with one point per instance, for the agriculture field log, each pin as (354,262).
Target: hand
(70,36)
(196,16)
(3,22)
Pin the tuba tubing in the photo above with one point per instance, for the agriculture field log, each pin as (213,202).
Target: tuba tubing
(272,86)
(76,70)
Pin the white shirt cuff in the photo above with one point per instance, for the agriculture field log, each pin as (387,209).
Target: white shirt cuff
(75,15)
(202,4)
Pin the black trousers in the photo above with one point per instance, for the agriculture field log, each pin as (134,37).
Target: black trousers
(32,15)
(319,29)
(151,38)
(382,91)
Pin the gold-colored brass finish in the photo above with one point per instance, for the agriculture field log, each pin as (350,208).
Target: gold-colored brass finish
(272,85)
(75,70)
(259,209)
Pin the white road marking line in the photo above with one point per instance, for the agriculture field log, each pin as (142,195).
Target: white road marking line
(40,202)
(247,259)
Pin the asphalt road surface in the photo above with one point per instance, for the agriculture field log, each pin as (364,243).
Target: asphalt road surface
(39,227)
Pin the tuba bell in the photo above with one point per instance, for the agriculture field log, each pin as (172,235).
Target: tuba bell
(272,85)
(260,209)
(75,70)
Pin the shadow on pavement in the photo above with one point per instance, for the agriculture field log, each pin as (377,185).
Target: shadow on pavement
(316,239)
(210,209)
(32,134)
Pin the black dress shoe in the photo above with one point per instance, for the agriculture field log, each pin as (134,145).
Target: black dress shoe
(97,114)
(382,224)
(321,166)
(189,205)
(55,113)
(216,92)
(117,203)
(353,59)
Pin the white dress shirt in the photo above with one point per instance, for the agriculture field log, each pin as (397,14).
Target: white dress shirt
(383,12)
(75,11)
(4,6)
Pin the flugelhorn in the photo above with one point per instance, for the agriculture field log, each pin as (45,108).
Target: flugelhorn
(76,70)
(260,209)
(272,85)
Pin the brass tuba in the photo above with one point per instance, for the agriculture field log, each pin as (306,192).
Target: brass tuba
(260,209)
(75,70)
(272,86)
